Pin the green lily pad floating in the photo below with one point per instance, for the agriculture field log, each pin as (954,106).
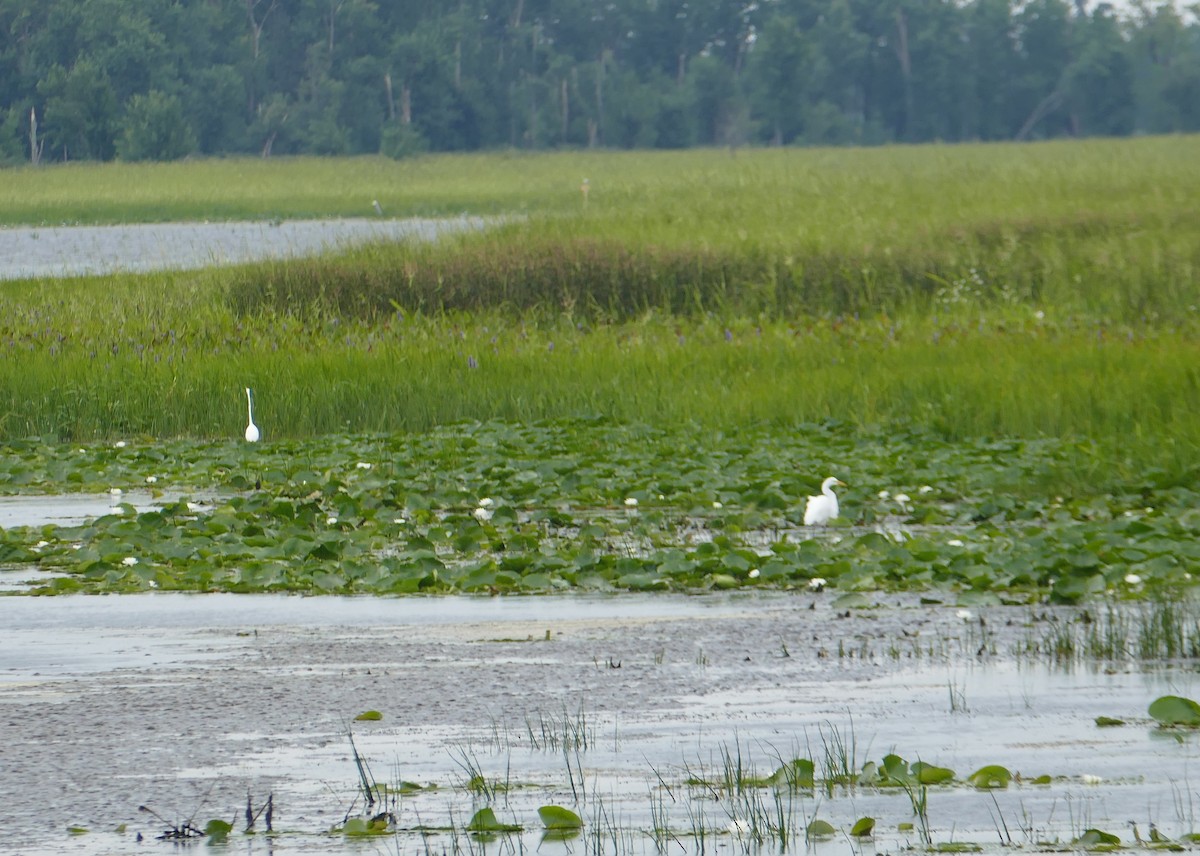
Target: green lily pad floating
(928,774)
(992,776)
(77,830)
(217,829)
(485,821)
(1175,710)
(797,773)
(821,829)
(863,827)
(958,847)
(1096,839)
(359,826)
(369,716)
(558,818)
(1108,722)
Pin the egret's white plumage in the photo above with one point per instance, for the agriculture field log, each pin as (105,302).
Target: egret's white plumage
(823,507)
(251,428)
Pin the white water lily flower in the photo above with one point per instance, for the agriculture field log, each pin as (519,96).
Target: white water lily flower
(363,465)
(331,521)
(120,444)
(116,491)
(399,521)
(1089,779)
(754,572)
(816,583)
(192,506)
(964,614)
(40,544)
(902,498)
(116,509)
(1133,580)
(152,584)
(631,501)
(486,502)
(925,488)
(718,505)
(151,479)
(954,542)
(483,515)
(129,561)
(883,494)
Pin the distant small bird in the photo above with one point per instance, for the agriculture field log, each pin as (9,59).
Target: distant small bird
(377,206)
(251,429)
(823,507)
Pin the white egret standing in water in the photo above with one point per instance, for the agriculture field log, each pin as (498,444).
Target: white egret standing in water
(823,507)
(251,428)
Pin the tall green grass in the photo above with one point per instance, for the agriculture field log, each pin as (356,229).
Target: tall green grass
(1045,290)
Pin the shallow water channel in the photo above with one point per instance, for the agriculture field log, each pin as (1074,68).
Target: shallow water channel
(57,251)
(630,710)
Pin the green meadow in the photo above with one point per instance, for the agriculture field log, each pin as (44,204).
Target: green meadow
(893,300)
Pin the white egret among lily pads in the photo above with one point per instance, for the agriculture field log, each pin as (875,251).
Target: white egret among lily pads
(252,433)
(823,507)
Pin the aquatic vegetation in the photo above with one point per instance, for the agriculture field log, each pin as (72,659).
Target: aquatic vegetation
(398,514)
(1175,710)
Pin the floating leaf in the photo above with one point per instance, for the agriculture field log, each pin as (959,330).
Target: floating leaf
(1095,839)
(1174,710)
(928,774)
(797,773)
(217,829)
(821,829)
(1108,722)
(557,817)
(369,716)
(485,820)
(991,776)
(77,830)
(863,827)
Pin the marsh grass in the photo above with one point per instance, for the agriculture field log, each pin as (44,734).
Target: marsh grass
(1023,291)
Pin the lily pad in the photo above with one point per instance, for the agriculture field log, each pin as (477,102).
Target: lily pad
(863,827)
(485,821)
(369,716)
(821,829)
(990,777)
(1175,710)
(559,818)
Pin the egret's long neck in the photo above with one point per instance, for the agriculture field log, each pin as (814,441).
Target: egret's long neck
(249,406)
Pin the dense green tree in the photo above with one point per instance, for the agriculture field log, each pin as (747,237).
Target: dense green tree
(154,129)
(350,76)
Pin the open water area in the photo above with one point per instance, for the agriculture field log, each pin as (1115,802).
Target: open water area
(61,251)
(630,710)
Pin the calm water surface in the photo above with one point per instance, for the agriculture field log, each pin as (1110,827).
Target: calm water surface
(61,251)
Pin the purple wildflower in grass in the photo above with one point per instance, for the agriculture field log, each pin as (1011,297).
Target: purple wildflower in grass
(550,347)
(728,335)
(472,363)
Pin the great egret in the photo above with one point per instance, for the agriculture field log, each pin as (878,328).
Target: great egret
(251,428)
(824,507)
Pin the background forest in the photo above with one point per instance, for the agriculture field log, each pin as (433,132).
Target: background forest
(162,79)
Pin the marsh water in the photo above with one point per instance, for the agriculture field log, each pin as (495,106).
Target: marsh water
(627,709)
(57,251)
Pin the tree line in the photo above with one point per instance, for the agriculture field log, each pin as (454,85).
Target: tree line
(163,79)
